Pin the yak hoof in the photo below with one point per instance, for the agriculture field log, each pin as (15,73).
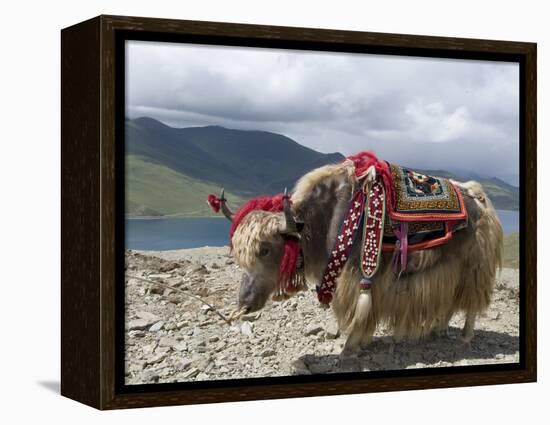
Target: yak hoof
(347,353)
(441,333)
(467,345)
(466,342)
(364,346)
(350,350)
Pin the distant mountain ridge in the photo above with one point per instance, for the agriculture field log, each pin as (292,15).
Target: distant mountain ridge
(170,171)
(245,162)
(503,195)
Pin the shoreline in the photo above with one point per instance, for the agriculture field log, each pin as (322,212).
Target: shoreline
(205,253)
(178,216)
(175,216)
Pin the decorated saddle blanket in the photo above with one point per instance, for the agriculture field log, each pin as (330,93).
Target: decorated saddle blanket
(400,211)
(432,208)
(419,197)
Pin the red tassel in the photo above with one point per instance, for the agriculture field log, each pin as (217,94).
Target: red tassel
(261,203)
(287,267)
(363,160)
(214,202)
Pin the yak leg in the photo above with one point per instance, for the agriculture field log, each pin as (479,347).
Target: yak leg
(353,343)
(441,328)
(468,329)
(357,340)
(391,344)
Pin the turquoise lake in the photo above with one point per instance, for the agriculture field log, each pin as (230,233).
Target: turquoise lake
(161,234)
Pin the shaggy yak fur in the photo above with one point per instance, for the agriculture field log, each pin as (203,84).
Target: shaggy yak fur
(437,283)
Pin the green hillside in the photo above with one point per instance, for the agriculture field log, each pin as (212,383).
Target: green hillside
(171,171)
(244,162)
(502,195)
(510,256)
(153,189)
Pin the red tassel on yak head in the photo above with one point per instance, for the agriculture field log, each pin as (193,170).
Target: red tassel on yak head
(214,202)
(289,262)
(291,267)
(261,203)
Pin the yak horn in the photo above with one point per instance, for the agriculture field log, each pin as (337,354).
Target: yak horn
(225,209)
(291,227)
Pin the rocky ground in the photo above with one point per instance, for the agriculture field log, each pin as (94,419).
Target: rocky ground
(173,337)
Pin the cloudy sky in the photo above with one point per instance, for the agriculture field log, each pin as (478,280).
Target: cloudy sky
(458,115)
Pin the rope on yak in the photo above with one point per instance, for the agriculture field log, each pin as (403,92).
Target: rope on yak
(226,320)
(237,313)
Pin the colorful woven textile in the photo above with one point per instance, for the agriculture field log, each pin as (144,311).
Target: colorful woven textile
(419,197)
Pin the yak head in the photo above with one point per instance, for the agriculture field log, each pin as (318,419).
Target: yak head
(265,242)
(258,245)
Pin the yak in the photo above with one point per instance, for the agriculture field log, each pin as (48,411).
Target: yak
(280,241)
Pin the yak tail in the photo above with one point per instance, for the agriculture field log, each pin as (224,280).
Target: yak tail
(362,309)
(359,323)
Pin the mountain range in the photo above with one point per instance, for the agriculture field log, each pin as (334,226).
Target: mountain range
(170,171)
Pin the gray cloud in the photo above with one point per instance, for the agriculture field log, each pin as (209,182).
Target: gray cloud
(429,113)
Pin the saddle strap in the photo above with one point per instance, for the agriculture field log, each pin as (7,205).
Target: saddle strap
(373,229)
(342,247)
(367,207)
(401,248)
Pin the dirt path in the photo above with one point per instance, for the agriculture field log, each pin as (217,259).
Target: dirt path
(171,337)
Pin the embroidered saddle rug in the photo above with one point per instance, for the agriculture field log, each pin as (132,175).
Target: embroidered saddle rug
(430,208)
(419,197)
(400,211)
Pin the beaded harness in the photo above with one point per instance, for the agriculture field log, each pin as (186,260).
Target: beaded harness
(367,208)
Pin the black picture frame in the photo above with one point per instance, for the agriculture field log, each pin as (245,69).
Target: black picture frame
(92,155)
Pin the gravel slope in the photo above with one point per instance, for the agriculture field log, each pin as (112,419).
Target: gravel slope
(171,337)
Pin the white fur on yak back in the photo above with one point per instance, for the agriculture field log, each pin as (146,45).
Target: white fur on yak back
(438,282)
